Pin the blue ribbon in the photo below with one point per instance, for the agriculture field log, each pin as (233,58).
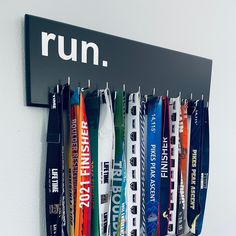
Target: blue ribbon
(195,156)
(204,171)
(154,124)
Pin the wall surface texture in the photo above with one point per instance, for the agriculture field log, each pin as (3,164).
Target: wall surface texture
(204,27)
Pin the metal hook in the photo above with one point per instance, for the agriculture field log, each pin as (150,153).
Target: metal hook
(58,88)
(88,86)
(180,94)
(146,97)
(107,85)
(139,89)
(167,92)
(191,96)
(68,80)
(202,97)
(154,91)
(123,87)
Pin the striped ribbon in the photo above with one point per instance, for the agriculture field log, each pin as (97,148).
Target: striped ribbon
(174,105)
(133,165)
(73,158)
(143,133)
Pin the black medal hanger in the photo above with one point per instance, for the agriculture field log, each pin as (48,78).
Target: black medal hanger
(56,50)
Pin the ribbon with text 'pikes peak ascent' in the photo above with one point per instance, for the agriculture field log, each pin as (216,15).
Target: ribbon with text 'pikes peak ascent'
(153,161)
(204,171)
(196,109)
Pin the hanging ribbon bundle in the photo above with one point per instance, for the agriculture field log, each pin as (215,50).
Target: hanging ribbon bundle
(125,164)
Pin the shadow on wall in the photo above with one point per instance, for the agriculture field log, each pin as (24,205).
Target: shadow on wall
(42,211)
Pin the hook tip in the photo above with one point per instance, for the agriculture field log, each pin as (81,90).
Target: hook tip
(124,87)
(146,97)
(167,92)
(58,89)
(139,89)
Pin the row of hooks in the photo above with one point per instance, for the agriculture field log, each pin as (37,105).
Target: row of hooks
(124,89)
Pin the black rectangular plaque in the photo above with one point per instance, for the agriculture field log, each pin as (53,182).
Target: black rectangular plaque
(56,50)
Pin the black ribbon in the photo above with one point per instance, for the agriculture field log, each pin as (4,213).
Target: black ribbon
(196,109)
(53,169)
(55,181)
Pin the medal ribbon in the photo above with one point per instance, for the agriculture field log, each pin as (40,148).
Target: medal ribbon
(183,170)
(92,102)
(119,120)
(174,105)
(143,135)
(133,186)
(165,169)
(106,152)
(84,185)
(204,171)
(64,120)
(154,135)
(195,156)
(53,169)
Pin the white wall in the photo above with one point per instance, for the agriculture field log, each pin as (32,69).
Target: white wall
(203,27)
